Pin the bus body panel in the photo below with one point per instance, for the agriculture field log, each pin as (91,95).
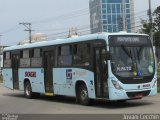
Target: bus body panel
(7,77)
(65,80)
(35,76)
(62,85)
(116,94)
(88,78)
(150,89)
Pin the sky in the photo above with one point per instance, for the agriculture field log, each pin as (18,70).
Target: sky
(51,17)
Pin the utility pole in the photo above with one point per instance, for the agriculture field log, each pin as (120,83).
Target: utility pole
(0,40)
(1,54)
(150,20)
(123,16)
(28,26)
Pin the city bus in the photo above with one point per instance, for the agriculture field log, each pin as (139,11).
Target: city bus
(109,66)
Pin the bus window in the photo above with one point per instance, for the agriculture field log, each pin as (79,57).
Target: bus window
(7,60)
(8,55)
(81,55)
(36,60)
(37,53)
(25,58)
(65,55)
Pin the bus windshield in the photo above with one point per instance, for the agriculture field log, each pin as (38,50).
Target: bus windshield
(132,57)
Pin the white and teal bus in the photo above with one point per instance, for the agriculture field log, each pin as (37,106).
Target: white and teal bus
(111,66)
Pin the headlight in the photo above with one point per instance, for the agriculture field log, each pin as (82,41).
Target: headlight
(155,84)
(116,85)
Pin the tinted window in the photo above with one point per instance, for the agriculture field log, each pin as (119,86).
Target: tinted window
(7,60)
(81,54)
(36,60)
(65,55)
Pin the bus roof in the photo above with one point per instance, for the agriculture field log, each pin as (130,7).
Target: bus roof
(67,40)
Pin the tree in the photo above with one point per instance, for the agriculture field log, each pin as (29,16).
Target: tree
(156,26)
(156,20)
(146,28)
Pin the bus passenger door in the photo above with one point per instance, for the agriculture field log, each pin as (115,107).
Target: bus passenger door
(48,71)
(15,65)
(101,72)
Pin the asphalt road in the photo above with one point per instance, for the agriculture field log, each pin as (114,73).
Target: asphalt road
(14,102)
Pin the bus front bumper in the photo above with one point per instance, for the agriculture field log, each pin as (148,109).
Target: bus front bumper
(131,94)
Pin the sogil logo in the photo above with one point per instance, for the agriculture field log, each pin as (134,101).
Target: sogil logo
(69,74)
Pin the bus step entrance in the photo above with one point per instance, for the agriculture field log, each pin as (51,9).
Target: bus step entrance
(49,94)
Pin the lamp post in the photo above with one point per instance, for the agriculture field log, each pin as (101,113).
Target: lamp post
(150,20)
(123,16)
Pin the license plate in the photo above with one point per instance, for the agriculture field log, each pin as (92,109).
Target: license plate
(139,96)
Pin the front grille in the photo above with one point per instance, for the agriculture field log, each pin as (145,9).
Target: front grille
(135,94)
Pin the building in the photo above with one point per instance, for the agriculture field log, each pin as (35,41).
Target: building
(106,15)
(38,37)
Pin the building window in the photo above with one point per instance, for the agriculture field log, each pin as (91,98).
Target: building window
(103,11)
(113,8)
(118,6)
(104,1)
(104,21)
(109,28)
(114,28)
(109,8)
(114,19)
(105,28)
(104,16)
(81,56)
(128,11)
(109,1)
(104,6)
(109,20)
(127,6)
(127,1)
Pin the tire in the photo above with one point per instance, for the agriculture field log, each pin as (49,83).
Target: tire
(83,95)
(28,90)
(121,101)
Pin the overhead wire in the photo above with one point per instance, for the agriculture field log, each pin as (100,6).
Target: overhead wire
(72,15)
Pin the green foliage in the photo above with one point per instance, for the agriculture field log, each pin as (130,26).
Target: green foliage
(155,26)
(158,79)
(146,28)
(156,20)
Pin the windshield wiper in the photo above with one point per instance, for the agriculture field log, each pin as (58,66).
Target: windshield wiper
(138,52)
(127,52)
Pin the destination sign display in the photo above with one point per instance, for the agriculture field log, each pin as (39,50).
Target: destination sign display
(129,40)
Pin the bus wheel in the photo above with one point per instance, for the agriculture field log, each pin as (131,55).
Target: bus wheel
(121,101)
(28,90)
(83,95)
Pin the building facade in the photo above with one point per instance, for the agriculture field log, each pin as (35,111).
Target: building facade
(106,15)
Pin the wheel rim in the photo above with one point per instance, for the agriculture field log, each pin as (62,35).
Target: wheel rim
(84,95)
(28,90)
